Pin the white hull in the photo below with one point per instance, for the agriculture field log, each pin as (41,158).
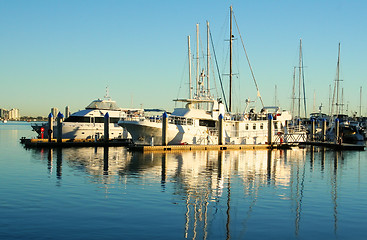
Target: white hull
(90,131)
(235,132)
(83,130)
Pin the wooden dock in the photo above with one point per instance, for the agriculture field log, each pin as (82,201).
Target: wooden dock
(337,146)
(44,143)
(141,148)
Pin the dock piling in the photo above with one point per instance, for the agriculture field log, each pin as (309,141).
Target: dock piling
(60,116)
(164,129)
(313,130)
(220,130)
(323,130)
(270,129)
(50,126)
(106,127)
(337,131)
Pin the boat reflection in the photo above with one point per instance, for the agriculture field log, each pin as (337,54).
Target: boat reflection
(218,189)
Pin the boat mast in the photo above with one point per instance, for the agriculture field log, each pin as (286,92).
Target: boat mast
(342,104)
(230,62)
(189,53)
(337,82)
(293,90)
(207,61)
(360,101)
(330,103)
(299,78)
(197,60)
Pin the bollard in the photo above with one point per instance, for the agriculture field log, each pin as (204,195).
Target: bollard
(220,129)
(50,126)
(106,127)
(270,129)
(164,129)
(313,130)
(336,139)
(59,127)
(324,130)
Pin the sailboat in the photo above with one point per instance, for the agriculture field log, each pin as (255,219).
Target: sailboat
(349,133)
(197,122)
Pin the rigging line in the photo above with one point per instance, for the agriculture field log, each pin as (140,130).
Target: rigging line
(216,62)
(214,80)
(182,78)
(248,61)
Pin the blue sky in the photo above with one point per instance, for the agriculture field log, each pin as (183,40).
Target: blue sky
(59,53)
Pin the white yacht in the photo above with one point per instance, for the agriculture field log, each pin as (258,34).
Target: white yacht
(89,123)
(190,125)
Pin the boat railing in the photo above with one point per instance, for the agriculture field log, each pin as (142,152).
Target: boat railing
(246,133)
(133,117)
(296,128)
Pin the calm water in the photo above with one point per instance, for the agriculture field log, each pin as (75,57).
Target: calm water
(97,193)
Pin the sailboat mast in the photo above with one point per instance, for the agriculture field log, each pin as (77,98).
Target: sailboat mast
(299,78)
(293,90)
(207,60)
(337,82)
(197,60)
(189,53)
(330,107)
(360,101)
(230,62)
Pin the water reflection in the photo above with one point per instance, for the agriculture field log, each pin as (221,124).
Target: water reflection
(222,192)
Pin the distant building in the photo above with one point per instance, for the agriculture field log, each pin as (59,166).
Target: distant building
(67,112)
(14,114)
(4,113)
(54,112)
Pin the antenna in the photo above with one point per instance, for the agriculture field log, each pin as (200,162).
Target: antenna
(107,96)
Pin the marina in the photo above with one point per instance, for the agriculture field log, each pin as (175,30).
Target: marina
(224,146)
(99,192)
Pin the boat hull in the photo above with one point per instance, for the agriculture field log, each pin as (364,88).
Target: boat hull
(82,130)
(146,132)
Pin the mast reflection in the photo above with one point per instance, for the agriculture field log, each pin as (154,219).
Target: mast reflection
(59,163)
(216,189)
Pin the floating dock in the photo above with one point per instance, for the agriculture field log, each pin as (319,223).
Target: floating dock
(337,146)
(44,143)
(141,148)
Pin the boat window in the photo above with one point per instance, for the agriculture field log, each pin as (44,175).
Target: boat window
(254,126)
(101,120)
(82,119)
(246,126)
(206,123)
(275,125)
(189,121)
(262,126)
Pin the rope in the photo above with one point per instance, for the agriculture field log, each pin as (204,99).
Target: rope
(248,61)
(220,79)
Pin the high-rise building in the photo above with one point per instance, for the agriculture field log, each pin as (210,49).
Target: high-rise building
(67,112)
(14,114)
(54,112)
(4,114)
